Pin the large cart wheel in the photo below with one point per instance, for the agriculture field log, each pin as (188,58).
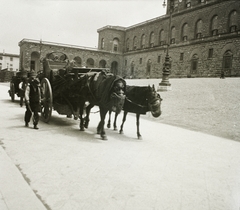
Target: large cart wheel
(47,100)
(12,91)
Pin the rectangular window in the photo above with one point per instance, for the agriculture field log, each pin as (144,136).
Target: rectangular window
(181,56)
(159,58)
(210,53)
(11,58)
(0,57)
(140,60)
(125,62)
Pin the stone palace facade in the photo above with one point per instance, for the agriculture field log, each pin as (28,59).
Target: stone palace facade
(203,38)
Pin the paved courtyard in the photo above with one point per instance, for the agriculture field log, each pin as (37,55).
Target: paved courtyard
(173,167)
(209,105)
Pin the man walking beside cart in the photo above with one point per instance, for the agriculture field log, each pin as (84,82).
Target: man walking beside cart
(32,100)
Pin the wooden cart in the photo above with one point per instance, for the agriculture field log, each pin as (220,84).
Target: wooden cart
(55,65)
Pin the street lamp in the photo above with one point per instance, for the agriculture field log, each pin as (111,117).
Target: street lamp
(164,85)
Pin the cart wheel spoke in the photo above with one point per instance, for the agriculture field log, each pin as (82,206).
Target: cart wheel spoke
(46,107)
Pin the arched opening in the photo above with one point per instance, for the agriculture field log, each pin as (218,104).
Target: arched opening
(232,22)
(143,41)
(227,63)
(35,61)
(78,61)
(135,43)
(173,35)
(214,26)
(132,70)
(194,64)
(184,32)
(149,65)
(102,64)
(151,40)
(198,30)
(90,63)
(115,44)
(102,43)
(114,67)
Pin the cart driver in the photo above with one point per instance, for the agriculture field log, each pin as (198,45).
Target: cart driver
(32,100)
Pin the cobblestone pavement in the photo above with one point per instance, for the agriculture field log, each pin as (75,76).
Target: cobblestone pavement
(209,105)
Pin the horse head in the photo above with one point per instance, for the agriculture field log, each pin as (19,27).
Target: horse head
(154,101)
(118,95)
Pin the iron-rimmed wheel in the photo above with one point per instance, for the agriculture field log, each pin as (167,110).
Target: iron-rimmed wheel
(12,91)
(47,100)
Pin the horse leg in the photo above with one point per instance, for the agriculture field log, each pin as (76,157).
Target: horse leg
(138,123)
(123,121)
(109,120)
(115,121)
(81,107)
(87,119)
(100,128)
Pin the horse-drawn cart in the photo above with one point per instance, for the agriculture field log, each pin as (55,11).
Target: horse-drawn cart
(57,79)
(16,86)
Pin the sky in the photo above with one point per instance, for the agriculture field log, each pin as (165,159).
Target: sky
(73,22)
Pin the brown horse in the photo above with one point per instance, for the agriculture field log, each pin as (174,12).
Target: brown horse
(139,100)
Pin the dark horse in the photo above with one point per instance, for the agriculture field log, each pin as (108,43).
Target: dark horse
(104,90)
(139,100)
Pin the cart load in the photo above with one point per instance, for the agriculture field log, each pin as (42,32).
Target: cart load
(61,85)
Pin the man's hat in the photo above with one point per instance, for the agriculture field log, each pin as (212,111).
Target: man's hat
(24,74)
(32,73)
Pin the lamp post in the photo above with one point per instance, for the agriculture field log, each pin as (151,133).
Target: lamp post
(164,85)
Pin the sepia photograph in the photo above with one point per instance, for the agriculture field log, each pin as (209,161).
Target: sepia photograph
(120,105)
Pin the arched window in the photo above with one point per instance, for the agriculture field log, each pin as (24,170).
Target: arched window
(102,43)
(227,62)
(233,21)
(90,63)
(134,43)
(114,67)
(102,64)
(132,70)
(149,64)
(127,45)
(185,32)
(34,63)
(115,44)
(161,38)
(143,41)
(151,40)
(173,35)
(198,31)
(194,64)
(214,26)
(78,61)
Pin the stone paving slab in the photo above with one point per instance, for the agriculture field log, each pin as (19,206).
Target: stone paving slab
(15,193)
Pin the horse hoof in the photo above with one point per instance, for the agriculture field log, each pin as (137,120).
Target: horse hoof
(108,126)
(121,132)
(82,129)
(104,138)
(139,137)
(115,129)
